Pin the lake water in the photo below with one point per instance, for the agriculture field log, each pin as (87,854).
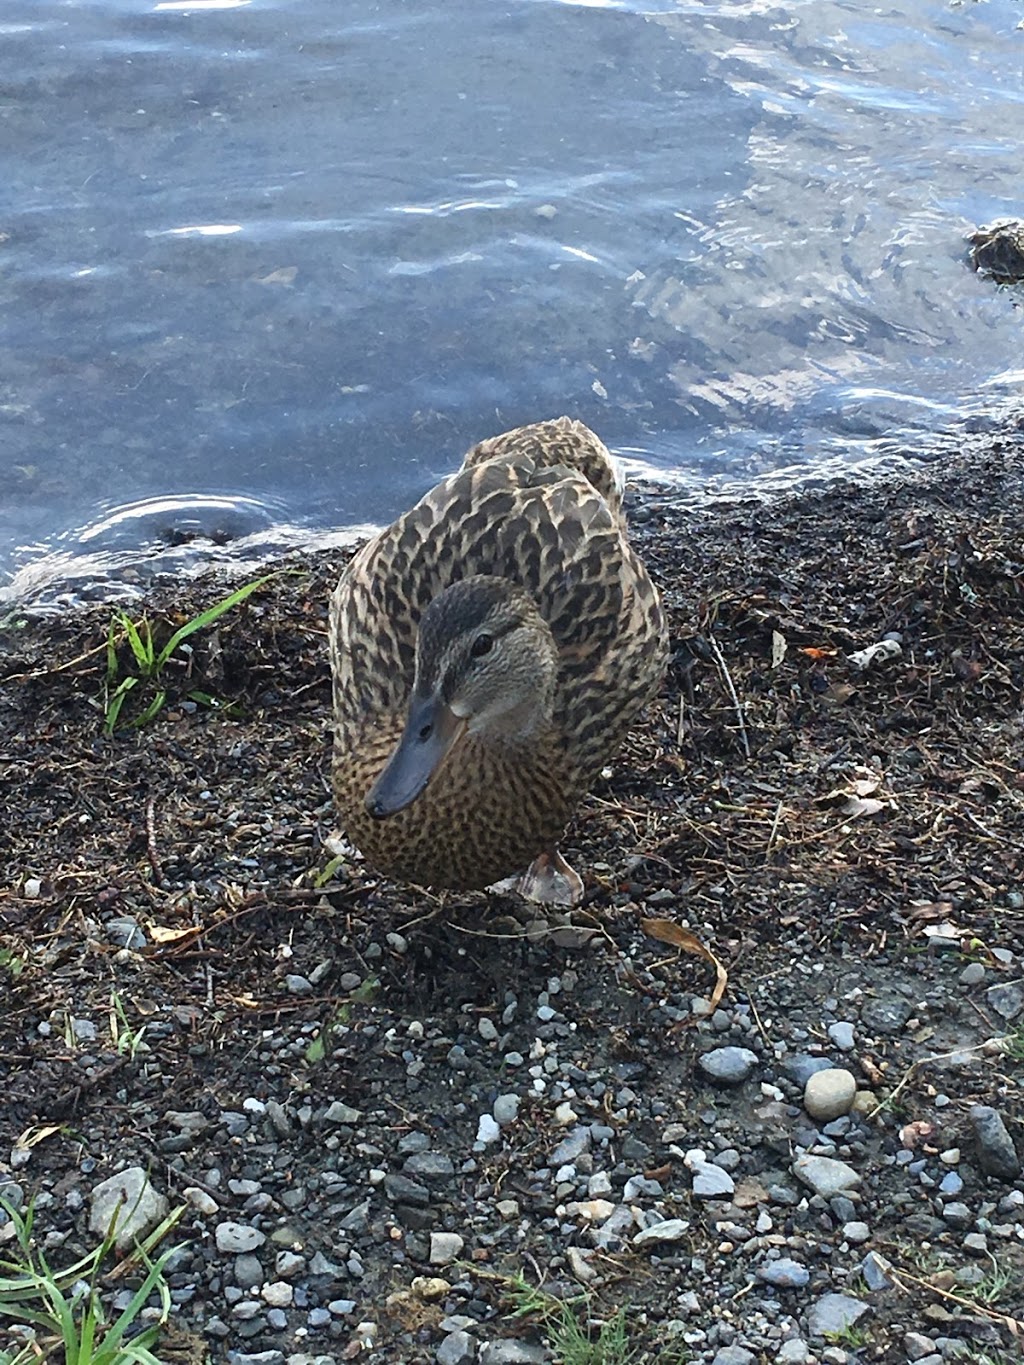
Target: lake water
(267,269)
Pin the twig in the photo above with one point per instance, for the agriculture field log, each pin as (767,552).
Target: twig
(151,854)
(723,669)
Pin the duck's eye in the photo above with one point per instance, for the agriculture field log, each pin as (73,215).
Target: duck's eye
(481,646)
(425,732)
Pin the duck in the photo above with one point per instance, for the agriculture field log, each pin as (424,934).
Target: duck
(489,651)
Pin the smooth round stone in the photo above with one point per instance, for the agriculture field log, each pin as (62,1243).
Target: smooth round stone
(856,1232)
(784,1273)
(972,975)
(728,1065)
(841,1035)
(829,1094)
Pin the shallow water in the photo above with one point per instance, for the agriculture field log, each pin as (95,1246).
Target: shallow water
(276,265)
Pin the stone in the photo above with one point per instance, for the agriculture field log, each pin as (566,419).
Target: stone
(513,1353)
(824,1175)
(972,975)
(829,1094)
(917,1345)
(784,1273)
(841,1035)
(445,1247)
(734,1355)
(834,1313)
(996,1153)
(876,1271)
(402,1190)
(487,1130)
(247,1271)
(856,1232)
(506,1109)
(794,1352)
(1006,999)
(711,1182)
(570,1149)
(800,1066)
(201,1201)
(128,1202)
(234,1238)
(277,1294)
(458,1348)
(728,1065)
(341,1113)
(433,1168)
(668,1230)
(887,1016)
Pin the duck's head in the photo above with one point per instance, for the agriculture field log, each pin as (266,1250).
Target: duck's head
(486,665)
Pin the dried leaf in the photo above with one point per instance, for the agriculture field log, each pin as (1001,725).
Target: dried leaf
(779,646)
(160,934)
(855,806)
(32,1137)
(668,931)
(864,786)
(818,653)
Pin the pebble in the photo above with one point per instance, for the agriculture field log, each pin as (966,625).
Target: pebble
(298,985)
(824,1175)
(201,1201)
(875,1269)
(570,1148)
(458,1348)
(1006,999)
(842,1036)
(829,1094)
(973,974)
(506,1109)
(487,1029)
(711,1182)
(886,1015)
(668,1230)
(793,1352)
(996,1153)
(513,1353)
(856,1232)
(917,1345)
(341,1113)
(129,1197)
(728,1065)
(784,1273)
(834,1313)
(445,1247)
(247,1271)
(278,1294)
(951,1184)
(487,1130)
(734,1355)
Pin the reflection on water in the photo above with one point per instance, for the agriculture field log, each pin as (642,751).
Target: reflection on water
(304,254)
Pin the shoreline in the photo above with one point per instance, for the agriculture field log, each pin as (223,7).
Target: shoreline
(328,1044)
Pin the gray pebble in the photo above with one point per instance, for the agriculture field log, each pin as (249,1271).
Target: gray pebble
(506,1109)
(570,1148)
(668,1230)
(247,1271)
(458,1348)
(129,1198)
(1007,999)
(801,1067)
(402,1190)
(824,1175)
(973,974)
(487,1029)
(794,1352)
(957,1215)
(298,985)
(875,1269)
(734,1355)
(445,1247)
(885,1015)
(841,1035)
(513,1353)
(711,1182)
(951,1184)
(728,1065)
(339,1112)
(996,1153)
(434,1168)
(917,1345)
(834,1313)
(784,1273)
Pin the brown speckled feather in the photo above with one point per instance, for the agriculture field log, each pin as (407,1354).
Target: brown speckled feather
(539,505)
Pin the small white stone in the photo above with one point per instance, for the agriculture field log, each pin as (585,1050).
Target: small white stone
(668,1230)
(200,1200)
(565,1114)
(829,1094)
(951,1157)
(487,1130)
(445,1247)
(593,1210)
(32,888)
(279,1294)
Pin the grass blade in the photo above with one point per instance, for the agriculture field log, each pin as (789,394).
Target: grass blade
(206,618)
(141,647)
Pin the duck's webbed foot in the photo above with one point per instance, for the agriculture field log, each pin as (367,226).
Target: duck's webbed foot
(550,880)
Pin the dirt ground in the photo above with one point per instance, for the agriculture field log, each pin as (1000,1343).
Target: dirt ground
(836,834)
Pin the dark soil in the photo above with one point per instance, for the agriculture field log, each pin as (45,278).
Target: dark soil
(837,836)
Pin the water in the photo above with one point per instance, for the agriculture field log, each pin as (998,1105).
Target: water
(266,269)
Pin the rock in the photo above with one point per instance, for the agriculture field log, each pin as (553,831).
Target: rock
(824,1175)
(570,1148)
(976,1244)
(842,1036)
(513,1353)
(972,975)
(728,1065)
(784,1273)
(445,1247)
(834,1313)
(885,1015)
(247,1271)
(711,1182)
(1007,999)
(298,985)
(795,1352)
(131,1200)
(402,1190)
(277,1294)
(996,1153)
(875,1269)
(829,1094)
(433,1168)
(487,1130)
(800,1067)
(201,1201)
(668,1230)
(856,1232)
(234,1238)
(916,1345)
(341,1113)
(458,1348)
(734,1355)
(257,1358)
(506,1109)
(951,1184)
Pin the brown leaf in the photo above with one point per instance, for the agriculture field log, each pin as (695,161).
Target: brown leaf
(160,934)
(668,931)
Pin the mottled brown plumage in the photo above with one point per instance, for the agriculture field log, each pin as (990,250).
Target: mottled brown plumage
(538,507)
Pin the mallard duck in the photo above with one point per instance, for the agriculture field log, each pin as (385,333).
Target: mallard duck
(489,652)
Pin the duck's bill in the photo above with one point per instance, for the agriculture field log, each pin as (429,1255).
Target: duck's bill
(430,734)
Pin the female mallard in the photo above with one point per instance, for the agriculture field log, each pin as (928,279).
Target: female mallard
(490,650)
